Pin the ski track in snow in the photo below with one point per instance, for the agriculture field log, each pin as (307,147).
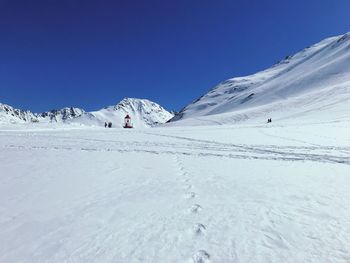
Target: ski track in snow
(174,195)
(198,147)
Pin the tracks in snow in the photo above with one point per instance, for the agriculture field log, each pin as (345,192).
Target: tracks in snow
(179,145)
(198,229)
(316,153)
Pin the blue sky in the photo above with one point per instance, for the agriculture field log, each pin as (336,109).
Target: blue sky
(90,54)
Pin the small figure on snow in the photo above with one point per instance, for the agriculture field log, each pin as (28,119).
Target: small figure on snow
(269,120)
(127,122)
(105,124)
(109,125)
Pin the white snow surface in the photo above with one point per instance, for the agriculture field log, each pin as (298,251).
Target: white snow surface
(243,193)
(143,113)
(314,80)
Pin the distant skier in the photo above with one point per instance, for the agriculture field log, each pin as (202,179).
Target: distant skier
(105,124)
(109,125)
(269,120)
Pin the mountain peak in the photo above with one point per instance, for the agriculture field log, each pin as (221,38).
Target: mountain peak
(143,112)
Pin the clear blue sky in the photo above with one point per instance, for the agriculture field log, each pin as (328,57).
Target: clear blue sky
(90,54)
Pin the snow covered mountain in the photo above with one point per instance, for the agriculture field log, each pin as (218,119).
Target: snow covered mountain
(61,115)
(312,83)
(144,113)
(9,114)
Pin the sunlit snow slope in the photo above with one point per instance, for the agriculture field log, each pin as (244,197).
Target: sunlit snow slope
(314,83)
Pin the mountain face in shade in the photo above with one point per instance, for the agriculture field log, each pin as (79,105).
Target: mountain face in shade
(61,115)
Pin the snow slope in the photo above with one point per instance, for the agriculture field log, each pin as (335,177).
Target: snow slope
(317,79)
(144,113)
(242,193)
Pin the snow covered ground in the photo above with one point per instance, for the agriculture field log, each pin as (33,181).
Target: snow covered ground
(243,193)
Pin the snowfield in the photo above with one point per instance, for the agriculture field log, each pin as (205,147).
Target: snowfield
(244,193)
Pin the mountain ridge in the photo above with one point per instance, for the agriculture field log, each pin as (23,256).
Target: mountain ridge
(324,65)
(144,113)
